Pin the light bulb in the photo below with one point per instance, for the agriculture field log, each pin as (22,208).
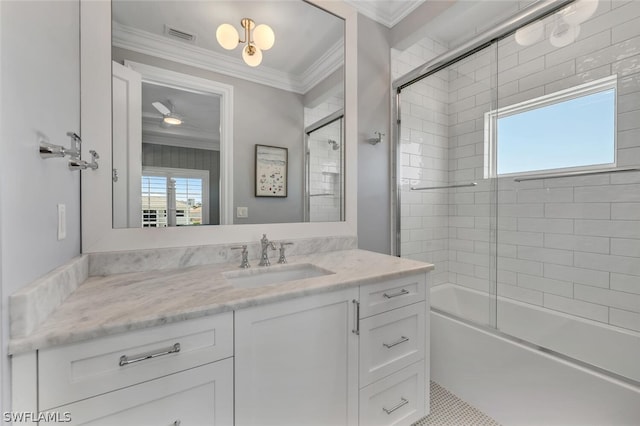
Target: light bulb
(263,37)
(252,55)
(227,36)
(175,121)
(579,11)
(564,34)
(526,36)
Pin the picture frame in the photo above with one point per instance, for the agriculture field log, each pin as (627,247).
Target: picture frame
(271,171)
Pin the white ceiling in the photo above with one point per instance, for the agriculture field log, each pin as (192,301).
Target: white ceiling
(200,113)
(466,18)
(303,32)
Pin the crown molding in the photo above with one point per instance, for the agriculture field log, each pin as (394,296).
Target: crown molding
(165,48)
(394,12)
(326,64)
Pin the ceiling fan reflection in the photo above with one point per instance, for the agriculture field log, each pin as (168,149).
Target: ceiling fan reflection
(169,117)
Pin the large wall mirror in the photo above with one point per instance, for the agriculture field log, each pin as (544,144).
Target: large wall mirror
(188,113)
(177,119)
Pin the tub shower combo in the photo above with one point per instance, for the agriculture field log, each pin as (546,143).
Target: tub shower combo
(517,164)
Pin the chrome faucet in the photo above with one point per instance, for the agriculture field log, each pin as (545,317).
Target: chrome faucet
(245,256)
(266,244)
(283,258)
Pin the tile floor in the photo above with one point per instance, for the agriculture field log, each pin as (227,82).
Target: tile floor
(449,410)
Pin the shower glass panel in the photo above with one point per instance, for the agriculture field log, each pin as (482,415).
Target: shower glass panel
(568,253)
(447,206)
(324,194)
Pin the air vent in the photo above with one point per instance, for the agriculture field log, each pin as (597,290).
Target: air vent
(179,34)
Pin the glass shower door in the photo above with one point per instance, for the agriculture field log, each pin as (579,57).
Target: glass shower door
(447,204)
(568,158)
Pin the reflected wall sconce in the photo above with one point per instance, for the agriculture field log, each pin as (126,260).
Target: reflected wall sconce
(566,27)
(377,139)
(258,38)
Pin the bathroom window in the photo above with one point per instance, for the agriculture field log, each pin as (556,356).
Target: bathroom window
(573,129)
(186,189)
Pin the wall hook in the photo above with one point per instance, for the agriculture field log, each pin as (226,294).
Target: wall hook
(377,139)
(49,150)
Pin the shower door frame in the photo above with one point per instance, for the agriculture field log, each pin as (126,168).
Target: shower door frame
(528,15)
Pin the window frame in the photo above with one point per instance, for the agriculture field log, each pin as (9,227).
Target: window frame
(171,172)
(586,89)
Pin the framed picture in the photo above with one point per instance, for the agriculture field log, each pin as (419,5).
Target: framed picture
(271,171)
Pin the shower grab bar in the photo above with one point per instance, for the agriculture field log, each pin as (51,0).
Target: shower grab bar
(328,194)
(463,185)
(575,174)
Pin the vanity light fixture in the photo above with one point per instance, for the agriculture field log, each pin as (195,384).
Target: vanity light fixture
(263,39)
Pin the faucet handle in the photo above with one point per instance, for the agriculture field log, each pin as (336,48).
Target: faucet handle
(245,255)
(282,258)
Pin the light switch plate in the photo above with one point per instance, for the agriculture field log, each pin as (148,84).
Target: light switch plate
(62,222)
(242,212)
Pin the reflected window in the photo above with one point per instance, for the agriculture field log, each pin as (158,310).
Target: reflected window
(174,197)
(573,129)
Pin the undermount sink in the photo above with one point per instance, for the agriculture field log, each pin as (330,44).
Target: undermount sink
(249,278)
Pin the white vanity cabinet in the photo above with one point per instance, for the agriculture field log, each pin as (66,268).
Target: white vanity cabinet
(297,362)
(348,357)
(394,343)
(179,373)
(345,357)
(197,397)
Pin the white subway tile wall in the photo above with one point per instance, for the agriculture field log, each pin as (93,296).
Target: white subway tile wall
(570,244)
(325,176)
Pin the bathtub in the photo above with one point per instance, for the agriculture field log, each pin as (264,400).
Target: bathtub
(594,381)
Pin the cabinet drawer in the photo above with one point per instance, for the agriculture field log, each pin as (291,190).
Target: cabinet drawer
(398,399)
(391,341)
(200,396)
(377,298)
(77,371)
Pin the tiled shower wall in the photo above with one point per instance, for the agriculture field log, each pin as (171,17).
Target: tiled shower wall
(424,157)
(569,244)
(325,176)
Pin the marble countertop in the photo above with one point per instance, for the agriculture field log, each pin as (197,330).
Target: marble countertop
(105,305)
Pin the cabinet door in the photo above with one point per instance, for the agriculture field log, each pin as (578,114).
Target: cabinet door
(297,362)
(197,397)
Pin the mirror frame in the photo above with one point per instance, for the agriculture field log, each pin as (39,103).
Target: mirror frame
(98,234)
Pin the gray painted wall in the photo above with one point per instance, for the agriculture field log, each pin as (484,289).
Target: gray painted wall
(40,86)
(154,155)
(254,123)
(374,99)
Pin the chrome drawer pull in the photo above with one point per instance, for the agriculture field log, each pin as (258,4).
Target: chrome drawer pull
(124,360)
(400,293)
(401,340)
(356,329)
(402,402)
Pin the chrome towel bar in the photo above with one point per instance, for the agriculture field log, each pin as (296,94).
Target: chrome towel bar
(462,185)
(576,174)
